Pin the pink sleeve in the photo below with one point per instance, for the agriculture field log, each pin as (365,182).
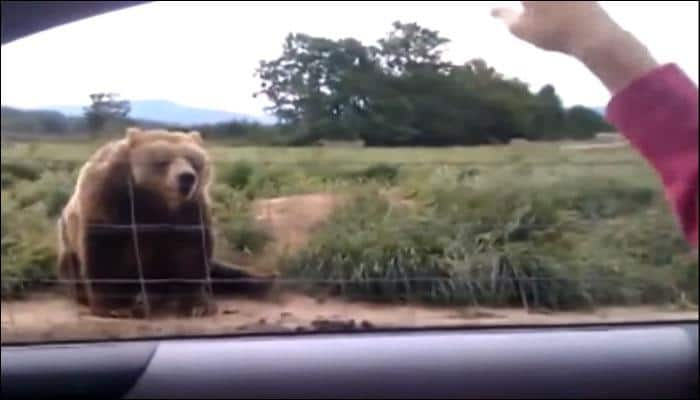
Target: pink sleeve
(658,113)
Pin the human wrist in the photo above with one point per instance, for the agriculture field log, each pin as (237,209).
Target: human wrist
(615,56)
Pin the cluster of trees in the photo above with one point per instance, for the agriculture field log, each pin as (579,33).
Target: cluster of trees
(38,122)
(105,114)
(246,132)
(402,92)
(398,92)
(103,109)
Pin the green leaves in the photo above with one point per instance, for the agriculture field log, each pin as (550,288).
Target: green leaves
(400,92)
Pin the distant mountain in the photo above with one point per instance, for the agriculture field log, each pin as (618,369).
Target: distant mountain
(172,113)
(169,112)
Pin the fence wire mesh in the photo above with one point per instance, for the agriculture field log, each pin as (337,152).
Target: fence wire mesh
(466,289)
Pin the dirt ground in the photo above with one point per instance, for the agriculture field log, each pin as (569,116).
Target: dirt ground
(46,317)
(595,146)
(49,316)
(291,221)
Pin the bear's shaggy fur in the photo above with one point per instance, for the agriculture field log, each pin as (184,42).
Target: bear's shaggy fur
(142,203)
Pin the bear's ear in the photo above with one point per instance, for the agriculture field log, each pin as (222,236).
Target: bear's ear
(196,136)
(133,135)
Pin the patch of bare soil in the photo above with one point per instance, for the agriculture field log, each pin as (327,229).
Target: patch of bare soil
(396,198)
(595,146)
(290,221)
(46,317)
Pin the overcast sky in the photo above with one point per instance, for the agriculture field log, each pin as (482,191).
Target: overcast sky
(204,54)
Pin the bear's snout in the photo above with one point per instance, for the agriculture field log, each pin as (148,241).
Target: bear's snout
(186,181)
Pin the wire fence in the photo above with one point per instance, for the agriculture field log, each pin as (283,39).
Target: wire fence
(504,163)
(64,320)
(525,286)
(295,281)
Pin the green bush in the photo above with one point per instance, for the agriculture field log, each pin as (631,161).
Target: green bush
(384,173)
(270,182)
(256,181)
(234,221)
(238,175)
(28,253)
(243,235)
(7,180)
(373,250)
(56,199)
(502,246)
(604,198)
(687,277)
(52,190)
(22,169)
(24,266)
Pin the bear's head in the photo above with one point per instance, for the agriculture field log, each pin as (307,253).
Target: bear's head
(172,164)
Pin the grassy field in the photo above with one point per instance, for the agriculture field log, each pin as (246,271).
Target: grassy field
(529,225)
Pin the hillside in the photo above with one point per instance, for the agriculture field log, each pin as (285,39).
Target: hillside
(69,121)
(167,112)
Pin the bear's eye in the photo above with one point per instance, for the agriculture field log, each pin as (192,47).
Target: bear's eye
(196,163)
(161,164)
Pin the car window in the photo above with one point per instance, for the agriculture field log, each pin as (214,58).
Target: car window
(188,169)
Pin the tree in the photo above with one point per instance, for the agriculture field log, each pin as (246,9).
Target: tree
(548,117)
(54,122)
(409,47)
(584,123)
(35,122)
(103,108)
(316,83)
(400,92)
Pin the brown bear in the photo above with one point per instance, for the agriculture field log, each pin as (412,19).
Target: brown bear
(136,233)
